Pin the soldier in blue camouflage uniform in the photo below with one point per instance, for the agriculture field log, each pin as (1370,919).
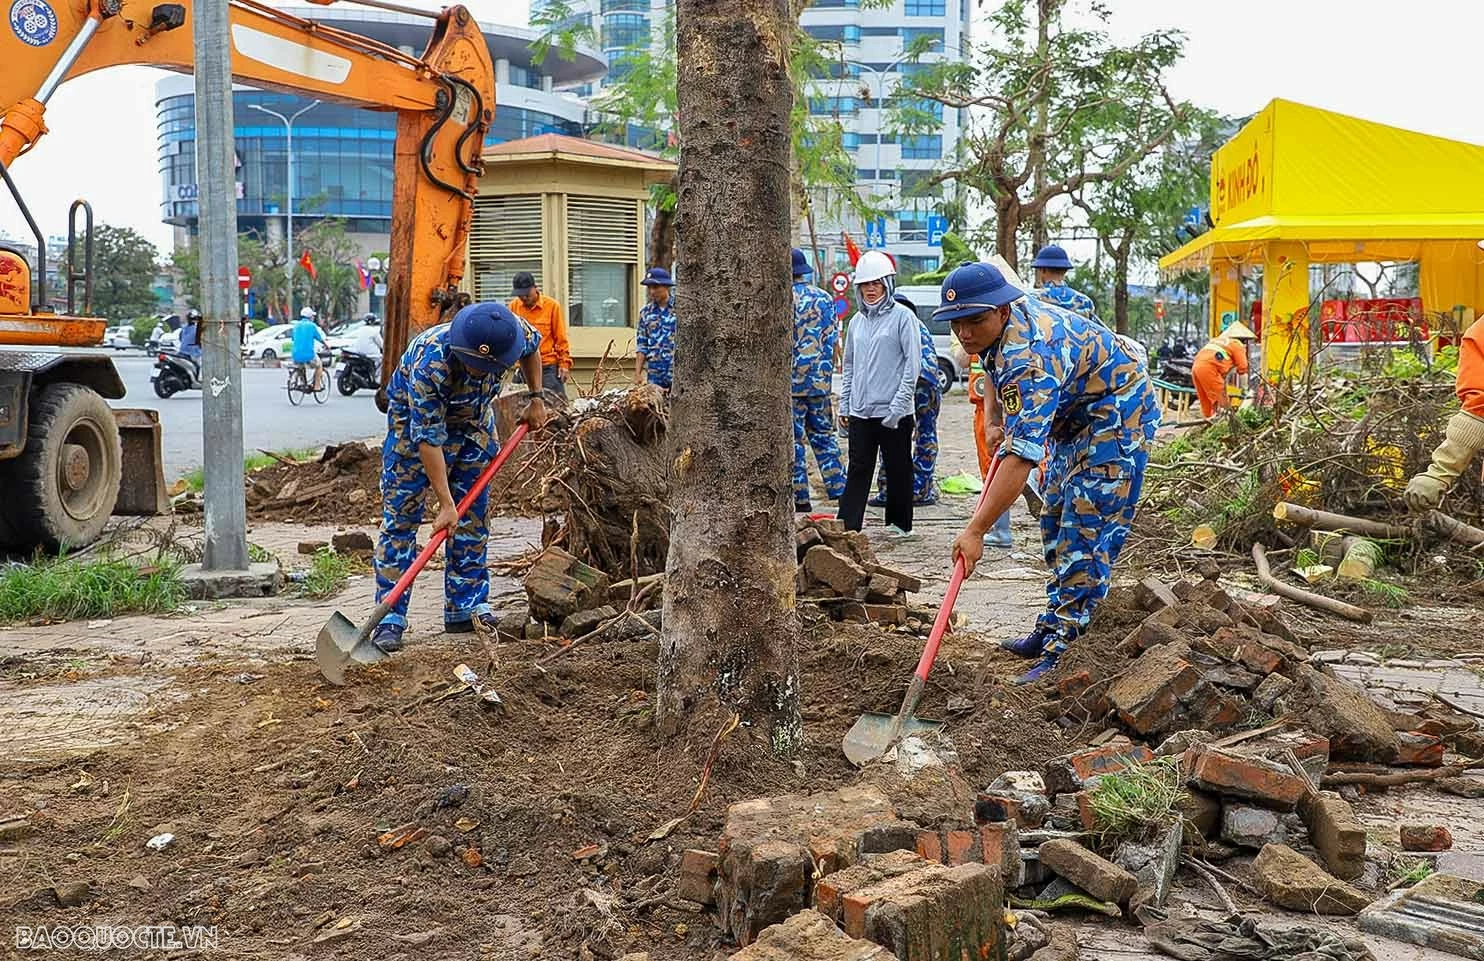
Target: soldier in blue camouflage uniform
(1069,389)
(1052,265)
(654,345)
(816,338)
(440,436)
(927,400)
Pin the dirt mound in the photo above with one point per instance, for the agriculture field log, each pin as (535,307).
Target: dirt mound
(342,486)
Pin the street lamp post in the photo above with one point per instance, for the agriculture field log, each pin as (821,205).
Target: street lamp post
(288,126)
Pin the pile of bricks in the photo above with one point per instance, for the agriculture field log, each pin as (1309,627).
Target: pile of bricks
(839,573)
(568,598)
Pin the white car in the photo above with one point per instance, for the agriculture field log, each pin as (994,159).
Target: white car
(119,338)
(950,368)
(270,343)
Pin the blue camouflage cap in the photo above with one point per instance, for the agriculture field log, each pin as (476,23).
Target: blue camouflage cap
(972,289)
(657,277)
(486,337)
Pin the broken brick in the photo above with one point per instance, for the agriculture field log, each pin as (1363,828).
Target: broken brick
(920,910)
(352,542)
(1074,684)
(1092,873)
(889,614)
(881,589)
(1152,594)
(1201,811)
(1070,772)
(1270,692)
(1153,633)
(907,582)
(810,936)
(698,876)
(1336,834)
(1311,750)
(1027,809)
(1000,844)
(841,574)
(1163,691)
(1425,837)
(1419,750)
(1235,775)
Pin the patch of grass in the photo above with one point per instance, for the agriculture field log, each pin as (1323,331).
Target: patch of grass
(1405,872)
(1388,595)
(1138,801)
(258,554)
(328,572)
(64,589)
(196,479)
(1306,557)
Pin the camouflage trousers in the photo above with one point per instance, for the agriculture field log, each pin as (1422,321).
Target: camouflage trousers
(404,487)
(1087,516)
(814,427)
(927,400)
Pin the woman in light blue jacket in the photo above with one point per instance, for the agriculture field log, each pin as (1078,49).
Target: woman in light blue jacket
(882,361)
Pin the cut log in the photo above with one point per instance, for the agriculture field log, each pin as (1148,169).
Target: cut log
(1324,520)
(1328,604)
(1362,557)
(1453,529)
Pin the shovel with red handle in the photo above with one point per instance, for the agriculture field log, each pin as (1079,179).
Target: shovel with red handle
(341,643)
(872,735)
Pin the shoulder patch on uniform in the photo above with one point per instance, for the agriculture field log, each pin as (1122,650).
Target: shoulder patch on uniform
(1010,399)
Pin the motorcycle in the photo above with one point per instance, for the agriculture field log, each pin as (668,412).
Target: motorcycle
(174,372)
(355,372)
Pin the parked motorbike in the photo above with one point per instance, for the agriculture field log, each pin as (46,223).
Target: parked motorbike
(174,372)
(356,372)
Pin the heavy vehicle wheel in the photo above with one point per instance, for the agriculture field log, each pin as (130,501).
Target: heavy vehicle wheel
(60,490)
(345,384)
(268,355)
(165,387)
(946,375)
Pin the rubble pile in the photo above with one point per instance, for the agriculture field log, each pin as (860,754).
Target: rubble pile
(342,486)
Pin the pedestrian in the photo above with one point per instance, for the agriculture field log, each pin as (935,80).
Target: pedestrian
(307,339)
(1463,438)
(927,401)
(1069,390)
(816,342)
(1225,352)
(441,414)
(654,345)
(883,358)
(1052,265)
(545,315)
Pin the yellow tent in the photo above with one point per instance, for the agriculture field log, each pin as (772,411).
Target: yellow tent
(1298,185)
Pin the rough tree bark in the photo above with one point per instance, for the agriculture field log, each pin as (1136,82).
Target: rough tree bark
(662,234)
(731,628)
(1120,252)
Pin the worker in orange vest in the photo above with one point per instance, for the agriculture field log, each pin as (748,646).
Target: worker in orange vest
(1464,437)
(1225,352)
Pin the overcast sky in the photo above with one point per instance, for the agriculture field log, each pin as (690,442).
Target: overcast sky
(1413,65)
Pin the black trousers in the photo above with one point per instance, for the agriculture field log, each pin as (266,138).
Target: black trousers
(867,436)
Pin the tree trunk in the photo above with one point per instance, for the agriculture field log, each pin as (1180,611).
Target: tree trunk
(730,624)
(1007,225)
(1120,287)
(662,233)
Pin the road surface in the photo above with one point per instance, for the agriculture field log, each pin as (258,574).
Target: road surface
(268,421)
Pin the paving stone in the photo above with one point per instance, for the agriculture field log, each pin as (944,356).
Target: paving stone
(810,936)
(583,623)
(1292,881)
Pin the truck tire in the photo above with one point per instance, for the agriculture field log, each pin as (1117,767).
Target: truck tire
(61,490)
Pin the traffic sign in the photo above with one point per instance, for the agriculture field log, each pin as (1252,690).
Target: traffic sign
(937,226)
(876,233)
(840,283)
(244,278)
(842,307)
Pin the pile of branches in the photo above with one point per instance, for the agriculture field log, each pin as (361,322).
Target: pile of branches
(600,474)
(1342,441)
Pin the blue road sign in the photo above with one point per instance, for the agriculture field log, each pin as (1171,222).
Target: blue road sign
(876,233)
(842,306)
(937,226)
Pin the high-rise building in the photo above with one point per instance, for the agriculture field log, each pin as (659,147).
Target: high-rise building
(874,44)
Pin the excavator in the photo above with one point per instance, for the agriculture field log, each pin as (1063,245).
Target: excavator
(68,461)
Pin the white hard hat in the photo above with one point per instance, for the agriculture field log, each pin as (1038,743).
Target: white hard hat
(307,314)
(873,265)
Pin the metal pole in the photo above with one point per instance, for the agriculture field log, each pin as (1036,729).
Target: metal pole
(221,360)
(288,126)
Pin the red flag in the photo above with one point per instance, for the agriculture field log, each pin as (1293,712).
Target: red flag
(307,263)
(851,250)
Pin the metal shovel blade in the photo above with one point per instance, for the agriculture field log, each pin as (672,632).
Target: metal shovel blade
(872,735)
(341,643)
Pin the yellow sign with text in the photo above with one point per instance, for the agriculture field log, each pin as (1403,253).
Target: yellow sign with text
(1242,173)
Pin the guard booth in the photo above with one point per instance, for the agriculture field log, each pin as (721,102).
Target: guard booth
(572,213)
(1299,186)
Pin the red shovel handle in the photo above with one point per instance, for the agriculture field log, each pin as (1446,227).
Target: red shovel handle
(945,611)
(441,534)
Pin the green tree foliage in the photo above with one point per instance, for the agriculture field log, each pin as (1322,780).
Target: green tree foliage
(124,266)
(336,287)
(1051,109)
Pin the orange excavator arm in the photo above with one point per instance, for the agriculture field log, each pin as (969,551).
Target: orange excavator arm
(445,102)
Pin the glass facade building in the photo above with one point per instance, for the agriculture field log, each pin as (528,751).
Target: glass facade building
(343,155)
